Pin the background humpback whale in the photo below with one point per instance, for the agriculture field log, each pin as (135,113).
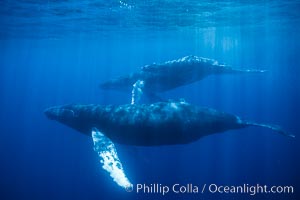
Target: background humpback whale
(171,74)
(162,123)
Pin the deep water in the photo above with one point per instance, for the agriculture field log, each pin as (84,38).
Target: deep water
(59,52)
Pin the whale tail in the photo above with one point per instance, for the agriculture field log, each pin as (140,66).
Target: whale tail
(222,69)
(249,71)
(276,128)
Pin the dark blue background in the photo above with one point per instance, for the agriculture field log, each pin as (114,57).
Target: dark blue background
(41,159)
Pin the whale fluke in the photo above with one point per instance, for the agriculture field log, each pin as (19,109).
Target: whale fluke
(275,128)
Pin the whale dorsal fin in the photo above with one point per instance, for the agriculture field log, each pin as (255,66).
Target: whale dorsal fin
(109,158)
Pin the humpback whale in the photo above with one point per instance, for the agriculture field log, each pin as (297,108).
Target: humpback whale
(161,123)
(155,78)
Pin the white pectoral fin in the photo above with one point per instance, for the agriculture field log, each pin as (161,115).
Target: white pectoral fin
(109,158)
(137,91)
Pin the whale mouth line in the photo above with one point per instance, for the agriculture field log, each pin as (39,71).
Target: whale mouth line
(54,113)
(49,112)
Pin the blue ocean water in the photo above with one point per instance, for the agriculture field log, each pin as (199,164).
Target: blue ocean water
(58,52)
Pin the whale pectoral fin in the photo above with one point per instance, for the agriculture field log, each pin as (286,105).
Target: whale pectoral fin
(137,91)
(109,158)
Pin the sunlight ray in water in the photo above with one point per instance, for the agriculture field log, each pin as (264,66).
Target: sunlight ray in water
(109,158)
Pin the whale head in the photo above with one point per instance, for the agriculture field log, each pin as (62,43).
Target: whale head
(60,113)
(72,115)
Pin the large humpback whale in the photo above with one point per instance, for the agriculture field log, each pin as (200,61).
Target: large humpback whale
(162,123)
(155,78)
